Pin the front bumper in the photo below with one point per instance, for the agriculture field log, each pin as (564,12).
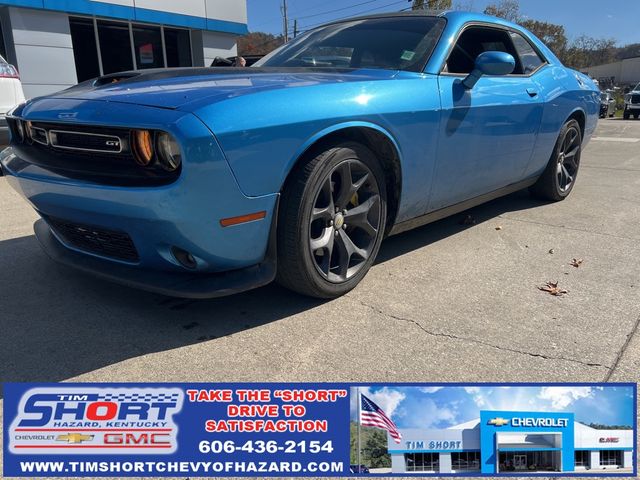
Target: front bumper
(172,284)
(185,214)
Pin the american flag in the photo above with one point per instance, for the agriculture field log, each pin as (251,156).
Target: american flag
(371,415)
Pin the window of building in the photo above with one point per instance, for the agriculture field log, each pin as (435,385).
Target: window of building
(102,47)
(178,45)
(422,462)
(148,46)
(530,59)
(610,457)
(582,458)
(83,37)
(3,48)
(465,460)
(115,46)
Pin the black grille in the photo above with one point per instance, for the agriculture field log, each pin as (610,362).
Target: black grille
(86,141)
(635,99)
(97,240)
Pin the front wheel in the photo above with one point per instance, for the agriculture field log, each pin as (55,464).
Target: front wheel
(626,115)
(559,178)
(332,220)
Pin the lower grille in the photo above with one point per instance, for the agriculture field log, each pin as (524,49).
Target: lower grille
(96,240)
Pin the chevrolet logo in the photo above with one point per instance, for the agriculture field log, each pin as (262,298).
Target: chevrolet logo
(499,421)
(74,438)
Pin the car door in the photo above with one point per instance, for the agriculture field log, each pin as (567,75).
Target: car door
(487,134)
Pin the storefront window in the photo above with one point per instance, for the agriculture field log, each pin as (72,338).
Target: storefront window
(178,46)
(465,460)
(85,51)
(113,51)
(610,457)
(582,458)
(538,461)
(422,462)
(148,47)
(115,47)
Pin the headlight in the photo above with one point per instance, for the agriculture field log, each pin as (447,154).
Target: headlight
(169,156)
(142,145)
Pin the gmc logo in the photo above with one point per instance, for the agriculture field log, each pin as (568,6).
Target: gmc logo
(133,439)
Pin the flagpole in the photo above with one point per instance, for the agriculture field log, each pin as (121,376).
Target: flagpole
(359,407)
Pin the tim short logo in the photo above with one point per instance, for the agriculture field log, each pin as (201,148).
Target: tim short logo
(93,420)
(499,421)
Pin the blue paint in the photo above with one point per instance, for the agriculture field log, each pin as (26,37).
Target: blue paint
(123,12)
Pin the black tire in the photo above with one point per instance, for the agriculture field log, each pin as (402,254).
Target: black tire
(549,185)
(636,115)
(626,115)
(303,221)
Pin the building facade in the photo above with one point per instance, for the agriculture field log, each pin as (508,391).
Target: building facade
(58,43)
(625,72)
(512,442)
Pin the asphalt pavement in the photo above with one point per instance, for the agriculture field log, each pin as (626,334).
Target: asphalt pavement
(447,302)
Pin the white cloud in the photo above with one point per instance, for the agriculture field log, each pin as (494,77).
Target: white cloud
(430,389)
(472,390)
(386,398)
(562,397)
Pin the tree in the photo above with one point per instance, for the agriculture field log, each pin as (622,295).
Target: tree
(507,9)
(432,4)
(375,450)
(587,51)
(551,34)
(258,43)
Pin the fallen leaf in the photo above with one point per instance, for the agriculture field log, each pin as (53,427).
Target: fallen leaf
(468,220)
(552,288)
(576,262)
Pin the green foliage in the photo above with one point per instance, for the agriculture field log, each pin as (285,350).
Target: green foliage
(507,9)
(374,447)
(432,4)
(258,43)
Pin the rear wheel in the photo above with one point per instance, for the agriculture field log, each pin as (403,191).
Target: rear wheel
(332,220)
(626,115)
(559,178)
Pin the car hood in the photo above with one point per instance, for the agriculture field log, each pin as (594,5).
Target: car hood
(178,88)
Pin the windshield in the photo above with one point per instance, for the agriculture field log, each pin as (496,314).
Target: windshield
(393,43)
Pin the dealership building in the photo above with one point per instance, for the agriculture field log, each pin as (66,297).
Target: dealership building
(58,43)
(503,442)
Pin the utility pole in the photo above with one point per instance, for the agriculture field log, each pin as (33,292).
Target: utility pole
(295,28)
(285,21)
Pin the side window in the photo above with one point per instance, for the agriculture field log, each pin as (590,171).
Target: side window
(530,59)
(476,40)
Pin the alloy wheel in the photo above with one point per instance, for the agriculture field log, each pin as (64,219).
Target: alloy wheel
(345,221)
(568,160)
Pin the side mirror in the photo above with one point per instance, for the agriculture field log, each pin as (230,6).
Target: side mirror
(490,63)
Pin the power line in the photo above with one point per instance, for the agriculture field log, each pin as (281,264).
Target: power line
(312,25)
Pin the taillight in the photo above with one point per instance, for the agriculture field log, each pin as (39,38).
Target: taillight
(8,71)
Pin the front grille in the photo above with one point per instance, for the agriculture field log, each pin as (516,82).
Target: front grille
(635,99)
(96,240)
(97,154)
(87,142)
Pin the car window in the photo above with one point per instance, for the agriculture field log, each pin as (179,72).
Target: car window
(530,59)
(476,40)
(400,43)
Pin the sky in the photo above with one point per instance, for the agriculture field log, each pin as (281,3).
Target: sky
(443,407)
(616,19)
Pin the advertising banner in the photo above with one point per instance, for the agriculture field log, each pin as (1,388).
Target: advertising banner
(297,430)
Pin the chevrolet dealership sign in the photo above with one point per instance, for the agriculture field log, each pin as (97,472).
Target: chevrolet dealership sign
(539,422)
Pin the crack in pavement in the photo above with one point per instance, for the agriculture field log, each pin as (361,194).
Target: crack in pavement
(476,341)
(533,222)
(622,351)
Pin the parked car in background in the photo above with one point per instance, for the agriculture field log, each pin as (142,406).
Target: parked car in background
(608,105)
(233,61)
(11,94)
(206,182)
(632,104)
(358,469)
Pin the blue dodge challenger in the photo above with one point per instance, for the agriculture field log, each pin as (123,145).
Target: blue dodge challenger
(205,182)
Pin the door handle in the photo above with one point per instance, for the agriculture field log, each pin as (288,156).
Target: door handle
(532,92)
